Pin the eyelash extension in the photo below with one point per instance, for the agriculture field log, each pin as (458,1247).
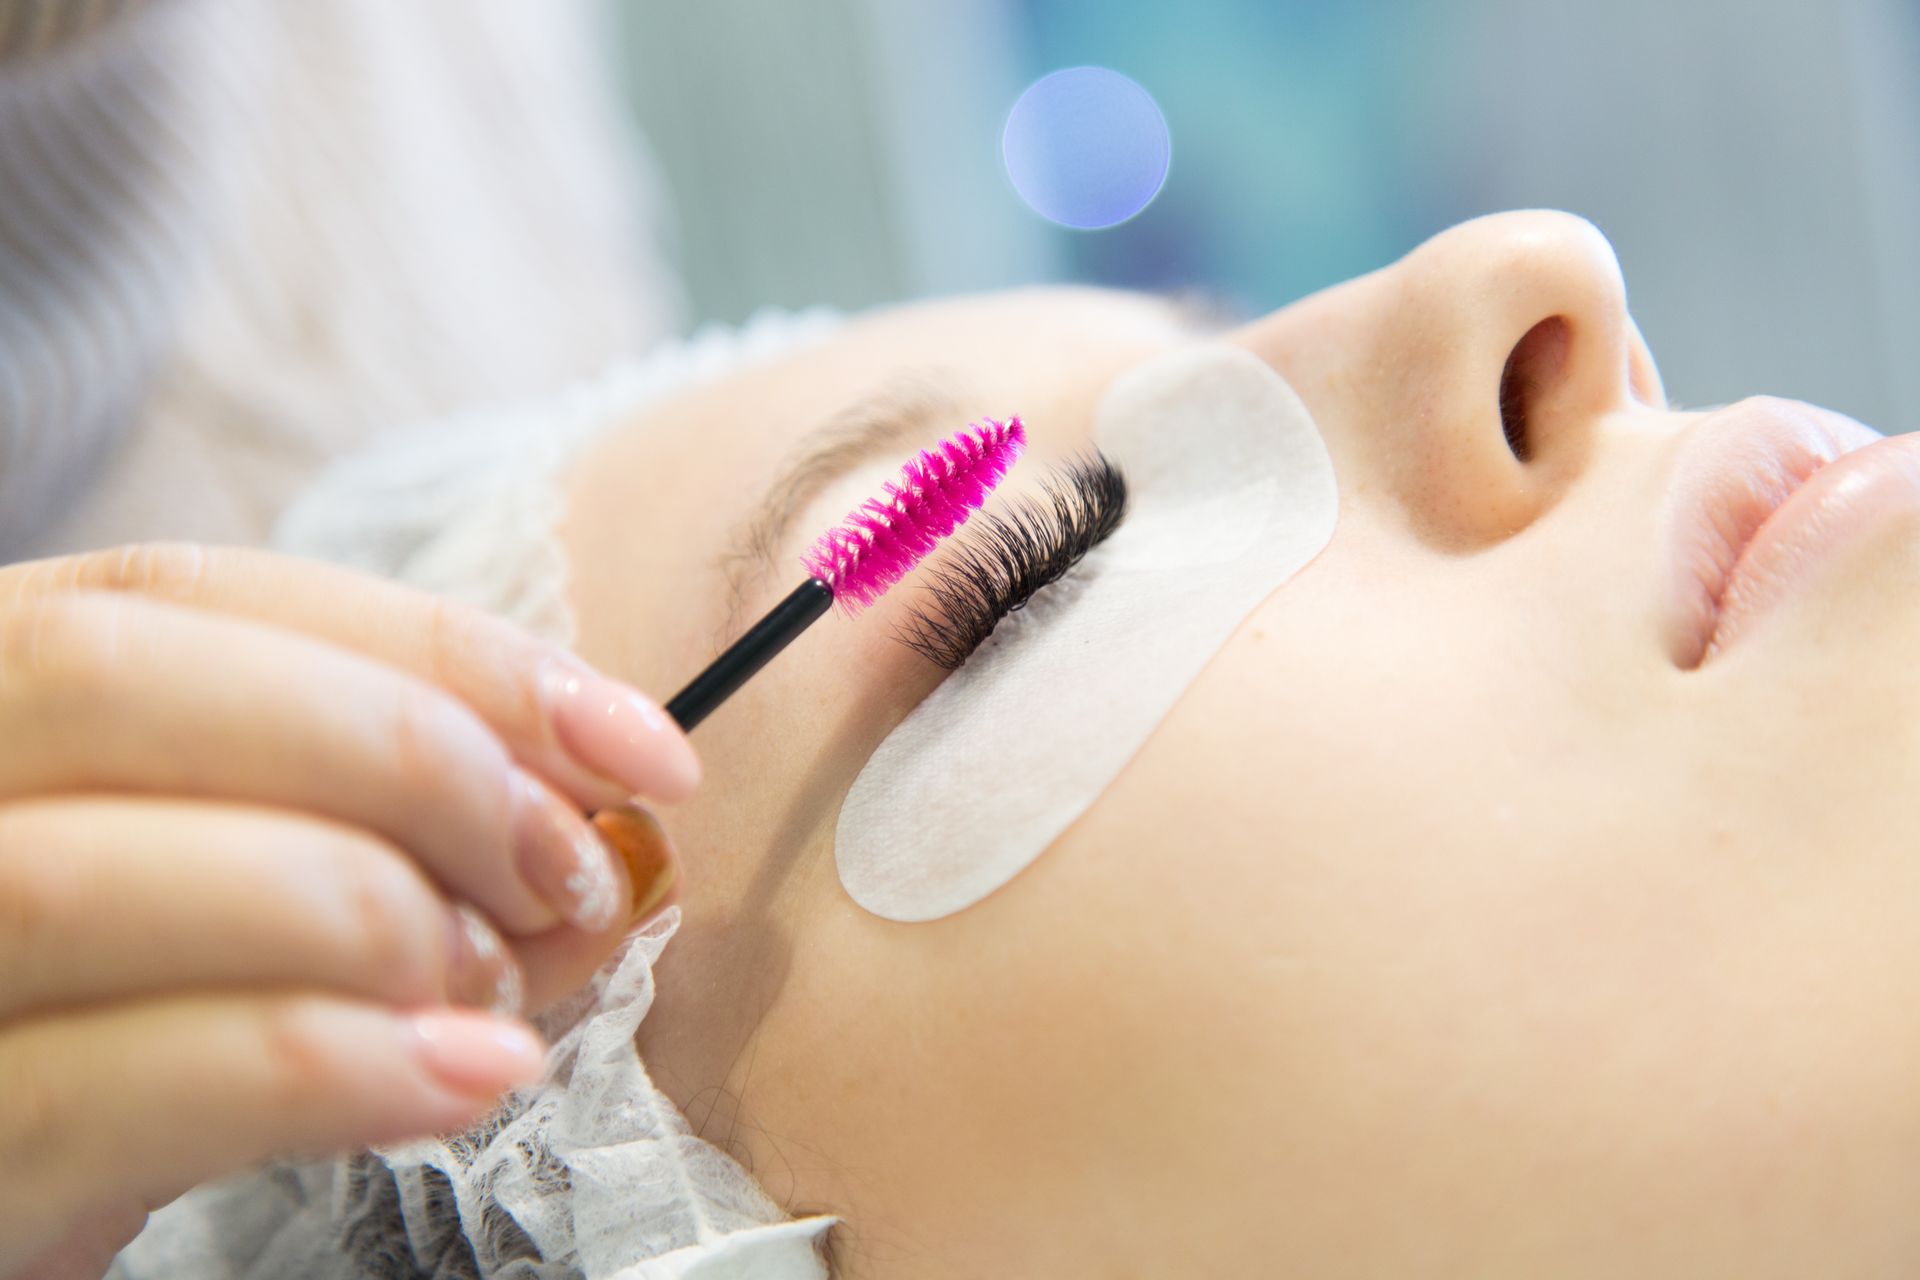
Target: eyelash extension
(854,563)
(997,564)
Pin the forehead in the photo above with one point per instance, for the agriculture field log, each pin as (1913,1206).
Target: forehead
(1042,353)
(1027,335)
(1017,317)
(652,510)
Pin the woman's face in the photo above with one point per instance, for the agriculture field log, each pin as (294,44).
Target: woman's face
(1458,920)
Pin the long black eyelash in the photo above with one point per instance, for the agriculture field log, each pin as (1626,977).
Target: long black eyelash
(999,561)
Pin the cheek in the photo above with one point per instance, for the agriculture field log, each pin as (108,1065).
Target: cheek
(974,1062)
(1527,946)
(1295,957)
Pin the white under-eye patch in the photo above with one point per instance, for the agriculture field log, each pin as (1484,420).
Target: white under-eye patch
(1230,493)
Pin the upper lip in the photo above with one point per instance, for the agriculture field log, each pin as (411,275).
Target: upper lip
(1735,468)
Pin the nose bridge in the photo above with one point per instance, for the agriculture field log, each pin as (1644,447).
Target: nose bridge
(1469,377)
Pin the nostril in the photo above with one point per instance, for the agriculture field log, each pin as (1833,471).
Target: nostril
(1530,371)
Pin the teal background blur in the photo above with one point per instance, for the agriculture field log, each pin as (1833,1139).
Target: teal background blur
(1756,166)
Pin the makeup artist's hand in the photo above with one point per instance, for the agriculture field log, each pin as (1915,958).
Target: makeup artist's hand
(272,836)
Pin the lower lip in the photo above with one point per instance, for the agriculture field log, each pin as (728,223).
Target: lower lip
(1846,502)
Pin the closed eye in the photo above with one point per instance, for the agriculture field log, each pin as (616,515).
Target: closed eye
(1000,560)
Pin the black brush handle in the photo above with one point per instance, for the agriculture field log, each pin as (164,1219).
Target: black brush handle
(752,651)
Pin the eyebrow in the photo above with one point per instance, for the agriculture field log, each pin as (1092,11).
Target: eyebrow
(885,421)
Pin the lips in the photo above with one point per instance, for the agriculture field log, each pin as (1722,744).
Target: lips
(1733,482)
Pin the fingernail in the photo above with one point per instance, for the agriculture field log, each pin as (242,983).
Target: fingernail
(483,973)
(618,732)
(476,1053)
(562,859)
(637,836)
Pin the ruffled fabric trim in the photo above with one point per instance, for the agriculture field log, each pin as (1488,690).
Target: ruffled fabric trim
(592,1174)
(596,1168)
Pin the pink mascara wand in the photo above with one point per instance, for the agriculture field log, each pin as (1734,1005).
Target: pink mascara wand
(855,562)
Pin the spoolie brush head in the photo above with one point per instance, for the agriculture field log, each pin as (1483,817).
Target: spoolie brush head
(881,541)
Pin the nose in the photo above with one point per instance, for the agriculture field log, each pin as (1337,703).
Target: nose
(1469,378)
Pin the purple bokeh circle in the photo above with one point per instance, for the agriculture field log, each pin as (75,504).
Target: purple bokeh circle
(1086,147)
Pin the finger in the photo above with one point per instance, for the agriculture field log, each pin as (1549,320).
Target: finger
(561,961)
(109,899)
(596,739)
(119,693)
(89,1246)
(127,1102)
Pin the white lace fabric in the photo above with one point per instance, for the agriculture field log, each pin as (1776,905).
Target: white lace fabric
(592,1173)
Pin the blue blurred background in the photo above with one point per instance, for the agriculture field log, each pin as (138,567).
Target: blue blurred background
(1756,166)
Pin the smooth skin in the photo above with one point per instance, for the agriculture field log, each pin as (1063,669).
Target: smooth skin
(1447,927)
(284,851)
